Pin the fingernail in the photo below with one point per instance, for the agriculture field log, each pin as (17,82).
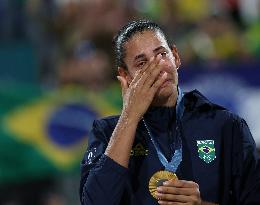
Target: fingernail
(164,75)
(165,183)
(159,189)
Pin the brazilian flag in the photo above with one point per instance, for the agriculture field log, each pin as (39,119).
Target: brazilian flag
(46,132)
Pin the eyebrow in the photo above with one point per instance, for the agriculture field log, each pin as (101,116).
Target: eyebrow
(143,55)
(157,49)
(139,56)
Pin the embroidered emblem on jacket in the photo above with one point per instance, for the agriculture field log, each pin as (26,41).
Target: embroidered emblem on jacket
(139,150)
(206,150)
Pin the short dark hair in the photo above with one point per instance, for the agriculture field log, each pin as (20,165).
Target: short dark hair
(128,31)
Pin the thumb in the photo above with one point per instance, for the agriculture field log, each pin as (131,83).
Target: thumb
(123,83)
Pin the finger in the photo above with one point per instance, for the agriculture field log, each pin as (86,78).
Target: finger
(136,78)
(139,74)
(150,62)
(158,82)
(178,191)
(151,73)
(172,197)
(179,199)
(154,74)
(186,200)
(181,183)
(171,203)
(123,83)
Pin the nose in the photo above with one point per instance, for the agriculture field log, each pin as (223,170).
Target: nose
(165,66)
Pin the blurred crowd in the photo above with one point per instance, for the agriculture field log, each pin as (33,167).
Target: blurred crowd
(72,43)
(73,37)
(204,31)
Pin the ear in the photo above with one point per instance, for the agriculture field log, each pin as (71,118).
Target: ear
(176,56)
(124,74)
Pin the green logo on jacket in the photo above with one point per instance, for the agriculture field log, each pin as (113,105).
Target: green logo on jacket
(206,150)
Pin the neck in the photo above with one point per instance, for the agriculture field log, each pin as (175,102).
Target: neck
(169,101)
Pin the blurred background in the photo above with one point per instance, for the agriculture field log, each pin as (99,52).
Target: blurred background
(57,74)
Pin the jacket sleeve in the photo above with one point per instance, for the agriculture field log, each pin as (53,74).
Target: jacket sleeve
(102,179)
(247,167)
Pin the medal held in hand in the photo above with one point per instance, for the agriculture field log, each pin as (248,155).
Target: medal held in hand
(170,167)
(158,178)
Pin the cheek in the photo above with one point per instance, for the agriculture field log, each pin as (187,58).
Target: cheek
(172,61)
(170,67)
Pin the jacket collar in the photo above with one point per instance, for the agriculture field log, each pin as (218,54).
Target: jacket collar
(194,100)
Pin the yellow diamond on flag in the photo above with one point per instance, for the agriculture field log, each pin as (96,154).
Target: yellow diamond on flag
(58,124)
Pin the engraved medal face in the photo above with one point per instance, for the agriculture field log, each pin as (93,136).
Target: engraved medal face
(158,178)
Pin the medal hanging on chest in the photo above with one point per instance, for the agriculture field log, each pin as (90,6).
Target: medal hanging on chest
(170,166)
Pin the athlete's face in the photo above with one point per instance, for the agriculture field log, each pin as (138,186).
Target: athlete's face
(145,45)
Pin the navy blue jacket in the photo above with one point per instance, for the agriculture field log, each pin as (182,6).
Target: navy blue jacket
(233,177)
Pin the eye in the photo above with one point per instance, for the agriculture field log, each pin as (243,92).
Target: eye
(163,54)
(141,64)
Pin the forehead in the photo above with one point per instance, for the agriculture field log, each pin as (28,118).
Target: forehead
(144,43)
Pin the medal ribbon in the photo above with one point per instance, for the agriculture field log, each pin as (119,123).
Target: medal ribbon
(177,157)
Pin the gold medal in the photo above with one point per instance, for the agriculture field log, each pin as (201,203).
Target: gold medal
(157,180)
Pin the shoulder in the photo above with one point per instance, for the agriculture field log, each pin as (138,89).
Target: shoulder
(106,124)
(195,101)
(231,126)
